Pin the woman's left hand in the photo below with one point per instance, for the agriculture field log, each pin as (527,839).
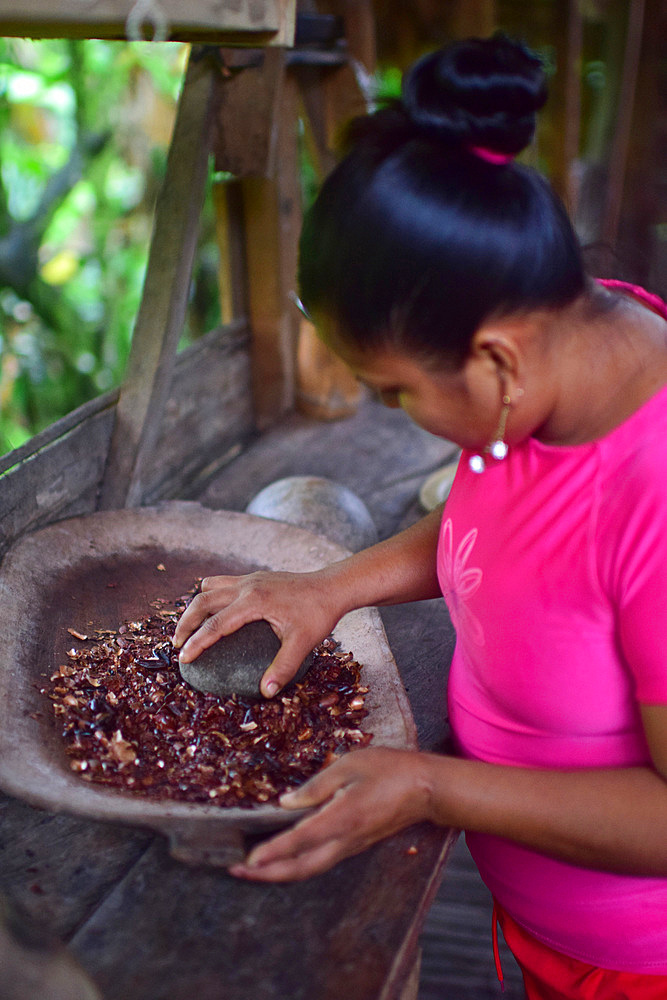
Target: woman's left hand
(364,796)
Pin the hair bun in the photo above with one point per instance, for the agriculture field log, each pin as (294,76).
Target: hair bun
(479,92)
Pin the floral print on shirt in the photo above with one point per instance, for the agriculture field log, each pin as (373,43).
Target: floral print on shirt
(458,583)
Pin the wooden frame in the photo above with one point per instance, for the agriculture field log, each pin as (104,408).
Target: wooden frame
(165,295)
(255,22)
(207,419)
(116,451)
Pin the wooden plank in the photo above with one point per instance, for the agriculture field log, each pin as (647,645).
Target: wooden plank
(326,388)
(411,988)
(58,868)
(164,300)
(272,214)
(57,430)
(60,480)
(209,935)
(400,982)
(222,21)
(573,69)
(256,141)
(208,416)
(331,97)
(228,206)
(360,33)
(618,158)
(476,18)
(246,136)
(644,203)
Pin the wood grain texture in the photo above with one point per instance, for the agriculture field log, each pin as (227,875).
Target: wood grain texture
(245,138)
(272,218)
(164,299)
(208,416)
(60,479)
(333,936)
(198,20)
(147,928)
(207,419)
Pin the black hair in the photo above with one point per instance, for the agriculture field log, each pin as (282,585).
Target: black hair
(415,239)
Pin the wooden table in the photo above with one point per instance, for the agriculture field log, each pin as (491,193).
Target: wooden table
(145,927)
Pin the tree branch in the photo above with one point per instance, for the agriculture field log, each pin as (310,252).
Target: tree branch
(19,249)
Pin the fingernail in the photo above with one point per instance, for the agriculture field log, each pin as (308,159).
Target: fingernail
(271,688)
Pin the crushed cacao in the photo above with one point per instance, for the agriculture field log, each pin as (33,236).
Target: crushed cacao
(129,721)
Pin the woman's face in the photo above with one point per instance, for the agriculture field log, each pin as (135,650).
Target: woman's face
(455,405)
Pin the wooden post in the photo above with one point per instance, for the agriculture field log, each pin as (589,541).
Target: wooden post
(473,17)
(326,388)
(573,103)
(256,142)
(164,301)
(331,97)
(228,206)
(644,202)
(621,140)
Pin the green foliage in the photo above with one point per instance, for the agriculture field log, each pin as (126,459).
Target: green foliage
(84,132)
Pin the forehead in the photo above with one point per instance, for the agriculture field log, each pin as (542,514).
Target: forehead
(377,363)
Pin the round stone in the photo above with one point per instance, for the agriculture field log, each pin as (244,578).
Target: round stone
(235,664)
(476,463)
(320,505)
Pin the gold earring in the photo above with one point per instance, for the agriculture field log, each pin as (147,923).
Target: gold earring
(498,448)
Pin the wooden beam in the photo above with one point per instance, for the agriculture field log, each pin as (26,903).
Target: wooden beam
(618,158)
(359,19)
(165,295)
(255,22)
(272,213)
(256,141)
(331,96)
(208,419)
(247,117)
(229,229)
(572,134)
(326,388)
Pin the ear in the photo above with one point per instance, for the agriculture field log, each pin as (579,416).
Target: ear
(498,350)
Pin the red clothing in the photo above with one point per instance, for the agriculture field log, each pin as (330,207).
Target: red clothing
(547,975)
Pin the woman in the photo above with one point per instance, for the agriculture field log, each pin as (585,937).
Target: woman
(449,279)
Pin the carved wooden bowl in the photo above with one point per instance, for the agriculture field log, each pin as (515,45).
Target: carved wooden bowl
(102,569)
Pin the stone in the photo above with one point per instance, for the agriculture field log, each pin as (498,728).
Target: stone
(322,506)
(235,664)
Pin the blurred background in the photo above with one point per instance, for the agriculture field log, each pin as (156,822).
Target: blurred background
(84,132)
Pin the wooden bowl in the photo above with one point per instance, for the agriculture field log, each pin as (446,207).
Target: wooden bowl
(99,570)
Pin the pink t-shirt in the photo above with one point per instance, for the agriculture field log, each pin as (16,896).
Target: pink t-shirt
(553,564)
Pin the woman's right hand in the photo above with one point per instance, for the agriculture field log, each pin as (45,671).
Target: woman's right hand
(298,606)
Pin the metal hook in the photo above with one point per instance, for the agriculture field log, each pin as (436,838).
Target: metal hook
(147,12)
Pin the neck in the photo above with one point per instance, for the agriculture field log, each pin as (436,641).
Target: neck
(609,356)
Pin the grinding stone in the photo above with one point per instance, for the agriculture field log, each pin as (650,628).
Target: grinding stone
(235,664)
(320,505)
